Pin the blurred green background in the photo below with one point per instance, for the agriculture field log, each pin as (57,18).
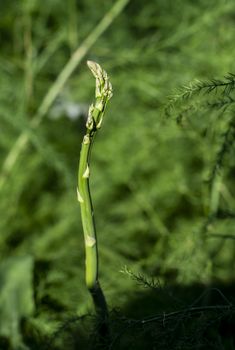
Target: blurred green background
(153,205)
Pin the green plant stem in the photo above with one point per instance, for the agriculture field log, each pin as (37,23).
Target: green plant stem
(94,121)
(57,86)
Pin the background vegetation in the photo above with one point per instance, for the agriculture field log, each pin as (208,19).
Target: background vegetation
(162,174)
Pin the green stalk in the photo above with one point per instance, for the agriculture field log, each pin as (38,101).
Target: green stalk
(95,116)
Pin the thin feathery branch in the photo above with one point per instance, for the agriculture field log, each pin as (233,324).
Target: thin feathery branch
(197,86)
(188,311)
(142,280)
(167,319)
(220,103)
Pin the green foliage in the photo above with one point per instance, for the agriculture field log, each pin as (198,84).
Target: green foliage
(16,297)
(162,173)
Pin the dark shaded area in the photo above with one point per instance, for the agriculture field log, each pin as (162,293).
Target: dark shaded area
(169,317)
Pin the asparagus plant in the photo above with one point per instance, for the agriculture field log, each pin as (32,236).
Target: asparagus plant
(96,112)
